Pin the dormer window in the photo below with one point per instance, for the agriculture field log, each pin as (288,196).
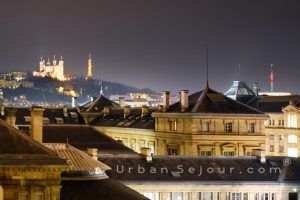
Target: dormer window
(59,120)
(46,120)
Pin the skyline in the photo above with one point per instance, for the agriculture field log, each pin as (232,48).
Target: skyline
(160,45)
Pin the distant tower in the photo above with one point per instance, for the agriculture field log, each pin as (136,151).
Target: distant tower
(89,73)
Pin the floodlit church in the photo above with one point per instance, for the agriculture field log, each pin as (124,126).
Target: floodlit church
(54,70)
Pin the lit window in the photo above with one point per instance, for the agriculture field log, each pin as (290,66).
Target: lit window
(292,139)
(292,121)
(273,196)
(205,126)
(173,125)
(292,152)
(228,127)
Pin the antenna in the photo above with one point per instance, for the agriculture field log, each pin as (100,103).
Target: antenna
(239,75)
(207,66)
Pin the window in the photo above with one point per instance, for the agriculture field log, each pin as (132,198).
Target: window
(273,196)
(292,139)
(251,127)
(228,127)
(281,144)
(292,152)
(205,126)
(256,196)
(273,122)
(236,196)
(264,196)
(173,125)
(245,196)
(292,121)
(271,143)
(206,153)
(229,153)
(172,151)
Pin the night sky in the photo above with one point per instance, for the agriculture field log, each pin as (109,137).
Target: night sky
(158,44)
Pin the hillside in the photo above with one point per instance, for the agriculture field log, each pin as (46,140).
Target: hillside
(51,91)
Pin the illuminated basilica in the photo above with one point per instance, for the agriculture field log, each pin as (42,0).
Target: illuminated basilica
(54,70)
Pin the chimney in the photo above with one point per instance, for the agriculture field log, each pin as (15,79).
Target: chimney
(2,110)
(106,111)
(166,100)
(260,154)
(184,100)
(10,116)
(37,123)
(122,102)
(127,110)
(93,153)
(65,111)
(145,111)
(146,152)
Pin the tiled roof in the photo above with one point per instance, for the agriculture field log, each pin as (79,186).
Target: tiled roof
(210,101)
(80,164)
(290,173)
(18,148)
(97,105)
(83,137)
(271,104)
(107,189)
(134,120)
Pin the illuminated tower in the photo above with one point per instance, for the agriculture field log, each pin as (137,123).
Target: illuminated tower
(89,73)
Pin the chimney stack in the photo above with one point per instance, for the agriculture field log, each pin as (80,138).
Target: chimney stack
(145,111)
(106,111)
(166,100)
(122,102)
(93,153)
(184,100)
(146,152)
(127,110)
(11,116)
(37,123)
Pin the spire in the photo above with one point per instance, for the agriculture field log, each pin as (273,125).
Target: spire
(53,56)
(61,58)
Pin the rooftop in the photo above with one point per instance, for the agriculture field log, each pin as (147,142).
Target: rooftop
(16,148)
(83,137)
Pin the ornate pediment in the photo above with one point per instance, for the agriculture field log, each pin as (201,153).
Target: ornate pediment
(290,108)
